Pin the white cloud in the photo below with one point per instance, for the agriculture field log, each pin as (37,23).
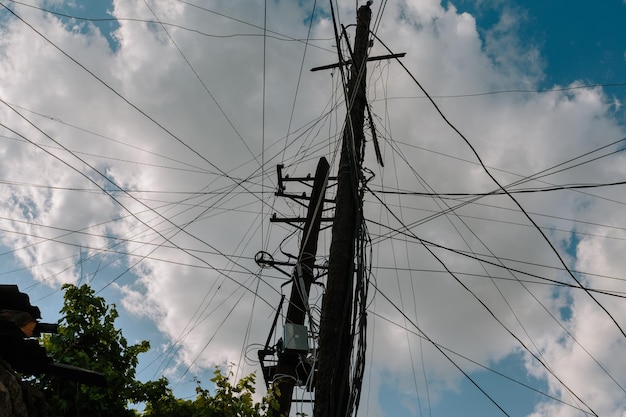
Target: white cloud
(192,254)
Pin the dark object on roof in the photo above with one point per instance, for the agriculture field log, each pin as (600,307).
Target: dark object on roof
(12,299)
(26,355)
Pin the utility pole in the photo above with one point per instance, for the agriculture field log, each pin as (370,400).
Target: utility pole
(303,277)
(332,388)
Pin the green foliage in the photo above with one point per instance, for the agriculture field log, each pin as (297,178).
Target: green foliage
(88,339)
(160,401)
(228,401)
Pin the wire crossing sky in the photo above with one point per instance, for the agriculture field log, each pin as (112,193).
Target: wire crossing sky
(139,145)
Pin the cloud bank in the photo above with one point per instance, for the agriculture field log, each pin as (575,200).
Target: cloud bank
(156,160)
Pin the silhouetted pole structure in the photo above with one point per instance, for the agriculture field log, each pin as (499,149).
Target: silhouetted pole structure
(302,279)
(332,387)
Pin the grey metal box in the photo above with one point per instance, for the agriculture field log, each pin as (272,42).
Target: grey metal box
(296,337)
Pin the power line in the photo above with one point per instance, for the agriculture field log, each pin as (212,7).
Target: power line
(513,199)
(499,321)
(278,36)
(419,333)
(515,91)
(500,192)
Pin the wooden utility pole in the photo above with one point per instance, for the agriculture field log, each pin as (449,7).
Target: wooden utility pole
(332,388)
(302,279)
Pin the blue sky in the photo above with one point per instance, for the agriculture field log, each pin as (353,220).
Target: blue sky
(176,118)
(578,41)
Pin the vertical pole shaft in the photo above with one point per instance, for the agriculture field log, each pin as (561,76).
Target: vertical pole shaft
(332,389)
(299,298)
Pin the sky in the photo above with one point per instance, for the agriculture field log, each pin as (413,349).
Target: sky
(139,145)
